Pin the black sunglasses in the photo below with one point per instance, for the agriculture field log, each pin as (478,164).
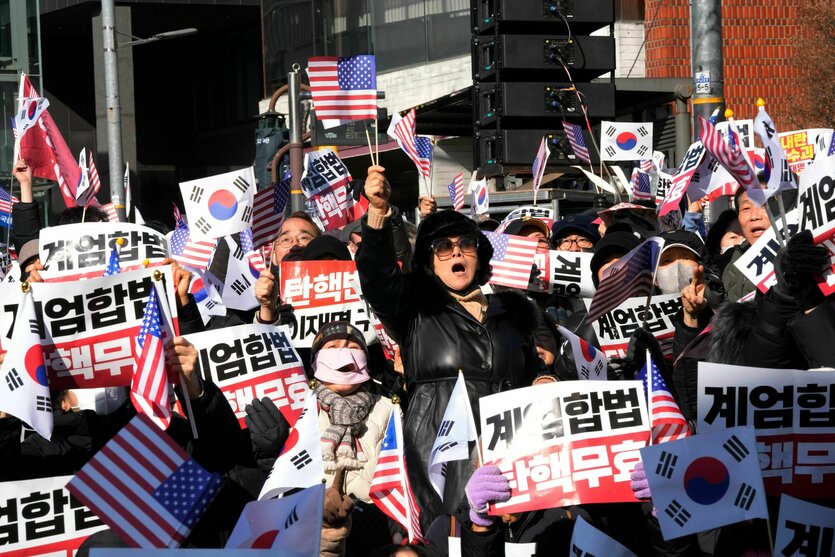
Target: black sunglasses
(443,247)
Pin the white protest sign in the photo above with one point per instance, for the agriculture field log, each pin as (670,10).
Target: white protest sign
(816,199)
(615,327)
(74,251)
(565,443)
(219,205)
(88,328)
(321,292)
(41,518)
(569,273)
(325,184)
(757,263)
(804,529)
(250,362)
(792,413)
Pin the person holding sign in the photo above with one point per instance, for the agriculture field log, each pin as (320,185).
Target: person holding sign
(443,323)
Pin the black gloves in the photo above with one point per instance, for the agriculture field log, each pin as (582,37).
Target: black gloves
(714,288)
(636,353)
(795,267)
(268,429)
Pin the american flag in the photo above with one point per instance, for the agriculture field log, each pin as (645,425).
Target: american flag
(88,196)
(631,276)
(268,212)
(456,191)
(729,157)
(390,489)
(178,217)
(645,165)
(149,385)
(831,146)
(343,88)
(577,141)
(252,255)
(145,487)
(191,253)
(6,201)
(402,130)
(641,187)
(113,267)
(666,420)
(538,166)
(512,259)
(110,209)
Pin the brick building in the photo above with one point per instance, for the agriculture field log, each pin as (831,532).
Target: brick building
(758,50)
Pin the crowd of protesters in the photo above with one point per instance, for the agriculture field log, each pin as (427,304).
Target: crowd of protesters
(430,290)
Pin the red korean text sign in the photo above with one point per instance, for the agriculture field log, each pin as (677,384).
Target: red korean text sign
(565,443)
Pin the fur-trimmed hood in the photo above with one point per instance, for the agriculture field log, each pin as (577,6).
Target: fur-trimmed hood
(729,331)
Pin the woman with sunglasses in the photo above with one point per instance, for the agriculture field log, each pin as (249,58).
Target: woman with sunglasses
(444,324)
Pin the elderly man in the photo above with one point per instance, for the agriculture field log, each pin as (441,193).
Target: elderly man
(753,222)
(575,233)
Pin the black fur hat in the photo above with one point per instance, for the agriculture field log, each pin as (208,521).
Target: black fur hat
(445,224)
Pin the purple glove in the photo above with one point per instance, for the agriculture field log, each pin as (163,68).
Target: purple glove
(639,483)
(487,485)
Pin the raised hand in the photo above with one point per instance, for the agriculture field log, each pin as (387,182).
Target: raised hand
(377,189)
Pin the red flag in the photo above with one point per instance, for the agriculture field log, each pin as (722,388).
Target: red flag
(45,151)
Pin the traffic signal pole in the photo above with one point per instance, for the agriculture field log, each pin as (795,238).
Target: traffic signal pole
(706,49)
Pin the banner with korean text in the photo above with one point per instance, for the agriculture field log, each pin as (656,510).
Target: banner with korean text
(325,186)
(88,328)
(793,414)
(40,517)
(321,292)
(615,327)
(73,251)
(565,443)
(250,362)
(801,146)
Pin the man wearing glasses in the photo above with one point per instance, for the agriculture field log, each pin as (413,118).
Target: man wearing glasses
(575,233)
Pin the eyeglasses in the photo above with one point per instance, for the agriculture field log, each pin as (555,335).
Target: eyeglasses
(583,243)
(287,241)
(443,247)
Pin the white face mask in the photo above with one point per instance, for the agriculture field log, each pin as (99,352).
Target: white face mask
(673,278)
(103,400)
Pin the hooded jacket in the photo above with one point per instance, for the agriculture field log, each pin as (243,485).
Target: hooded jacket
(438,337)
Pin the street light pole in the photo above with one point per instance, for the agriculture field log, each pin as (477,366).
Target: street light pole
(114,110)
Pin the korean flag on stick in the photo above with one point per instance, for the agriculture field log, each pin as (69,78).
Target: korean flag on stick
(625,141)
(219,205)
(300,462)
(456,431)
(591,363)
(705,481)
(24,391)
(292,524)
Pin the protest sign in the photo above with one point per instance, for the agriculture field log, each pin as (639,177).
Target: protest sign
(757,263)
(802,145)
(804,529)
(325,185)
(39,517)
(816,199)
(615,327)
(250,362)
(744,129)
(88,328)
(73,251)
(219,205)
(792,412)
(534,211)
(569,273)
(321,292)
(565,443)
(681,181)
(662,186)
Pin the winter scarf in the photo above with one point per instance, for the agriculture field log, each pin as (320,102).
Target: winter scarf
(347,416)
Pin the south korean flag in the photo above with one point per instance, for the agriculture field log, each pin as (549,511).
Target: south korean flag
(456,431)
(300,462)
(705,481)
(219,205)
(24,387)
(625,141)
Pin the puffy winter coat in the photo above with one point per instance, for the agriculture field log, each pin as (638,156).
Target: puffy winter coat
(438,337)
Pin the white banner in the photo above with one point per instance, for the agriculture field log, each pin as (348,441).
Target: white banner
(816,199)
(39,517)
(615,327)
(250,362)
(74,251)
(565,443)
(804,529)
(792,413)
(569,274)
(757,263)
(88,328)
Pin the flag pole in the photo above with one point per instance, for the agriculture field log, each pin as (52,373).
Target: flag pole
(782,208)
(773,222)
(649,394)
(370,149)
(376,141)
(471,419)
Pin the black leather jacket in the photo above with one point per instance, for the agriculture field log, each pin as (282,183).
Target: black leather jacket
(438,337)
